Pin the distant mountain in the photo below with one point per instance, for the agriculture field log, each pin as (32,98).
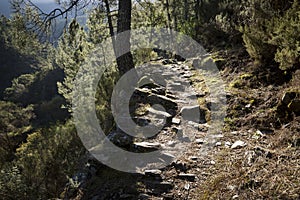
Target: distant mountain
(46,7)
(5,8)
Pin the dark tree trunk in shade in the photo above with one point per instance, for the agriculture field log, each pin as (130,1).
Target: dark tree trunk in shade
(186,10)
(124,56)
(110,24)
(198,4)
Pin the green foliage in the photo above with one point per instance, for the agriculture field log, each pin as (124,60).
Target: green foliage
(14,124)
(19,87)
(272,33)
(12,185)
(42,165)
(141,56)
(16,34)
(148,14)
(14,118)
(97,24)
(71,52)
(286,36)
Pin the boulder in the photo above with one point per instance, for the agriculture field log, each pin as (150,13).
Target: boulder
(193,113)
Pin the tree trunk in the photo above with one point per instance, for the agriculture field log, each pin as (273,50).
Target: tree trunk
(110,24)
(174,13)
(186,10)
(197,15)
(169,20)
(125,61)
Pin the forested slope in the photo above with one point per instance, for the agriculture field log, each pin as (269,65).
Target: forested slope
(254,44)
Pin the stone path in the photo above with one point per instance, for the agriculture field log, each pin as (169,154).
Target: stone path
(182,135)
(164,98)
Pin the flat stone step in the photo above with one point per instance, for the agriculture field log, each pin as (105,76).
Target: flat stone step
(189,177)
(148,145)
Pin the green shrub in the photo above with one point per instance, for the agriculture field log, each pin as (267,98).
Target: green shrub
(14,125)
(47,158)
(272,33)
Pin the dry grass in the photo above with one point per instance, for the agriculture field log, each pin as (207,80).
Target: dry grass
(269,166)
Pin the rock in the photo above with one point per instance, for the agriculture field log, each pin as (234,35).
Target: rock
(235,196)
(227,144)
(169,196)
(203,127)
(168,75)
(153,172)
(171,143)
(148,145)
(218,144)
(250,157)
(193,113)
(168,61)
(179,58)
(258,134)
(187,186)
(192,96)
(144,196)
(193,158)
(295,106)
(238,144)
(160,186)
(288,97)
(158,112)
(200,141)
(213,104)
(234,132)
(189,177)
(166,102)
(212,162)
(187,75)
(142,121)
(178,130)
(200,95)
(165,185)
(159,90)
(177,87)
(176,121)
(119,138)
(146,81)
(248,105)
(180,166)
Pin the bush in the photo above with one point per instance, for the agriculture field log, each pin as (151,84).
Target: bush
(14,125)
(272,33)
(47,158)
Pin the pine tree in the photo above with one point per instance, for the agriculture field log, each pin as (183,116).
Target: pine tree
(70,55)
